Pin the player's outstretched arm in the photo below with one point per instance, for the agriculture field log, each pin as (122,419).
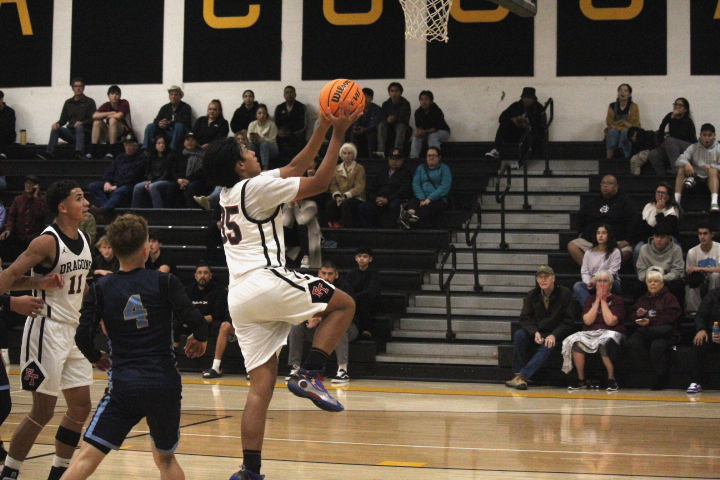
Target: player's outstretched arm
(320,182)
(89,321)
(304,160)
(40,249)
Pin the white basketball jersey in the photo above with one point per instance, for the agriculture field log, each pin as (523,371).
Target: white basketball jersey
(252,222)
(72,261)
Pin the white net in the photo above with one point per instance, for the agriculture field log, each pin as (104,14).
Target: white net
(426,19)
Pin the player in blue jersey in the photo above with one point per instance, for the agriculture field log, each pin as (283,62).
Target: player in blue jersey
(137,307)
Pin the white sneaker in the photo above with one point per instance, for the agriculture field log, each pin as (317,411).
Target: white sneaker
(305,262)
(342,378)
(295,369)
(493,153)
(715,207)
(204,202)
(694,388)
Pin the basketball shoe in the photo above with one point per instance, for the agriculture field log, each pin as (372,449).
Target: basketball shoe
(308,384)
(245,474)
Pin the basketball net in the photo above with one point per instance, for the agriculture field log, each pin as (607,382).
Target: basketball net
(426,19)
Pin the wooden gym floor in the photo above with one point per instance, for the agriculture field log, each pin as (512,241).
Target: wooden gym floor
(423,430)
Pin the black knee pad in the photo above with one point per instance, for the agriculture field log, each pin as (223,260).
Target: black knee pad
(5,405)
(67,436)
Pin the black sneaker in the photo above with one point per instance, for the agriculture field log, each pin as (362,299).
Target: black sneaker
(245,474)
(79,155)
(212,373)
(578,385)
(612,385)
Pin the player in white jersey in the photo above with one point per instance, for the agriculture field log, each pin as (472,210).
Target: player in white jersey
(264,298)
(50,361)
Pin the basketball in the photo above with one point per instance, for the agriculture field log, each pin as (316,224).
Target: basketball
(341,92)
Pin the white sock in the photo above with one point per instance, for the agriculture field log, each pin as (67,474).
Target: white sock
(343,367)
(216,365)
(713,197)
(678,196)
(12,463)
(61,462)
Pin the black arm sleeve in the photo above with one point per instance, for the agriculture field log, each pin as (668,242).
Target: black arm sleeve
(90,317)
(183,308)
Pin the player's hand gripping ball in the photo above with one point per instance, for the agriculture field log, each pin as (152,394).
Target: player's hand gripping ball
(341,92)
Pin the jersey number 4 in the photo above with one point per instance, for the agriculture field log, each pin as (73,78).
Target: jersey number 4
(230,231)
(134,310)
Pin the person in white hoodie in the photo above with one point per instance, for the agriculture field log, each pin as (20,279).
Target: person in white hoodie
(700,162)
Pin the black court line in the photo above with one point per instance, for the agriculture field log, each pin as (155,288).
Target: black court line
(133,436)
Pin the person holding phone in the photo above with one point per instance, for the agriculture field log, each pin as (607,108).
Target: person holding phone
(656,314)
(25,219)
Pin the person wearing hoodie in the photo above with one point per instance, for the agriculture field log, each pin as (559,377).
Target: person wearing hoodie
(656,314)
(188,173)
(700,162)
(662,252)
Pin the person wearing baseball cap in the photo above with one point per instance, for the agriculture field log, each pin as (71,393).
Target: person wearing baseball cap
(386,193)
(546,318)
(172,121)
(25,219)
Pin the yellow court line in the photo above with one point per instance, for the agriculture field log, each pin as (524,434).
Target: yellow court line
(467,393)
(475,393)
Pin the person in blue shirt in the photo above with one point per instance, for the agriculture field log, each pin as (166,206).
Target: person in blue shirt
(431,187)
(136,306)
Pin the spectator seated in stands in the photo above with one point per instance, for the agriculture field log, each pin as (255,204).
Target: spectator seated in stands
(611,208)
(188,173)
(702,267)
(7,127)
(105,262)
(347,188)
(656,314)
(547,317)
(520,117)
(396,117)
(263,136)
(25,219)
(305,332)
(158,189)
(680,134)
(211,127)
(301,217)
(642,143)
(431,187)
(173,121)
(389,190)
(210,298)
(75,123)
(363,132)
(603,256)
(705,340)
(111,122)
(291,121)
(245,113)
(430,126)
(120,177)
(699,162)
(603,331)
(157,260)
(663,253)
(365,282)
(622,114)
(663,209)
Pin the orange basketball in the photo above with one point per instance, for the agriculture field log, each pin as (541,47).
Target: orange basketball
(341,92)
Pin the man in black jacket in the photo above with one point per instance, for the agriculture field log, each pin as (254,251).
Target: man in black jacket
(173,120)
(705,340)
(520,117)
(7,125)
(386,193)
(609,208)
(546,319)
